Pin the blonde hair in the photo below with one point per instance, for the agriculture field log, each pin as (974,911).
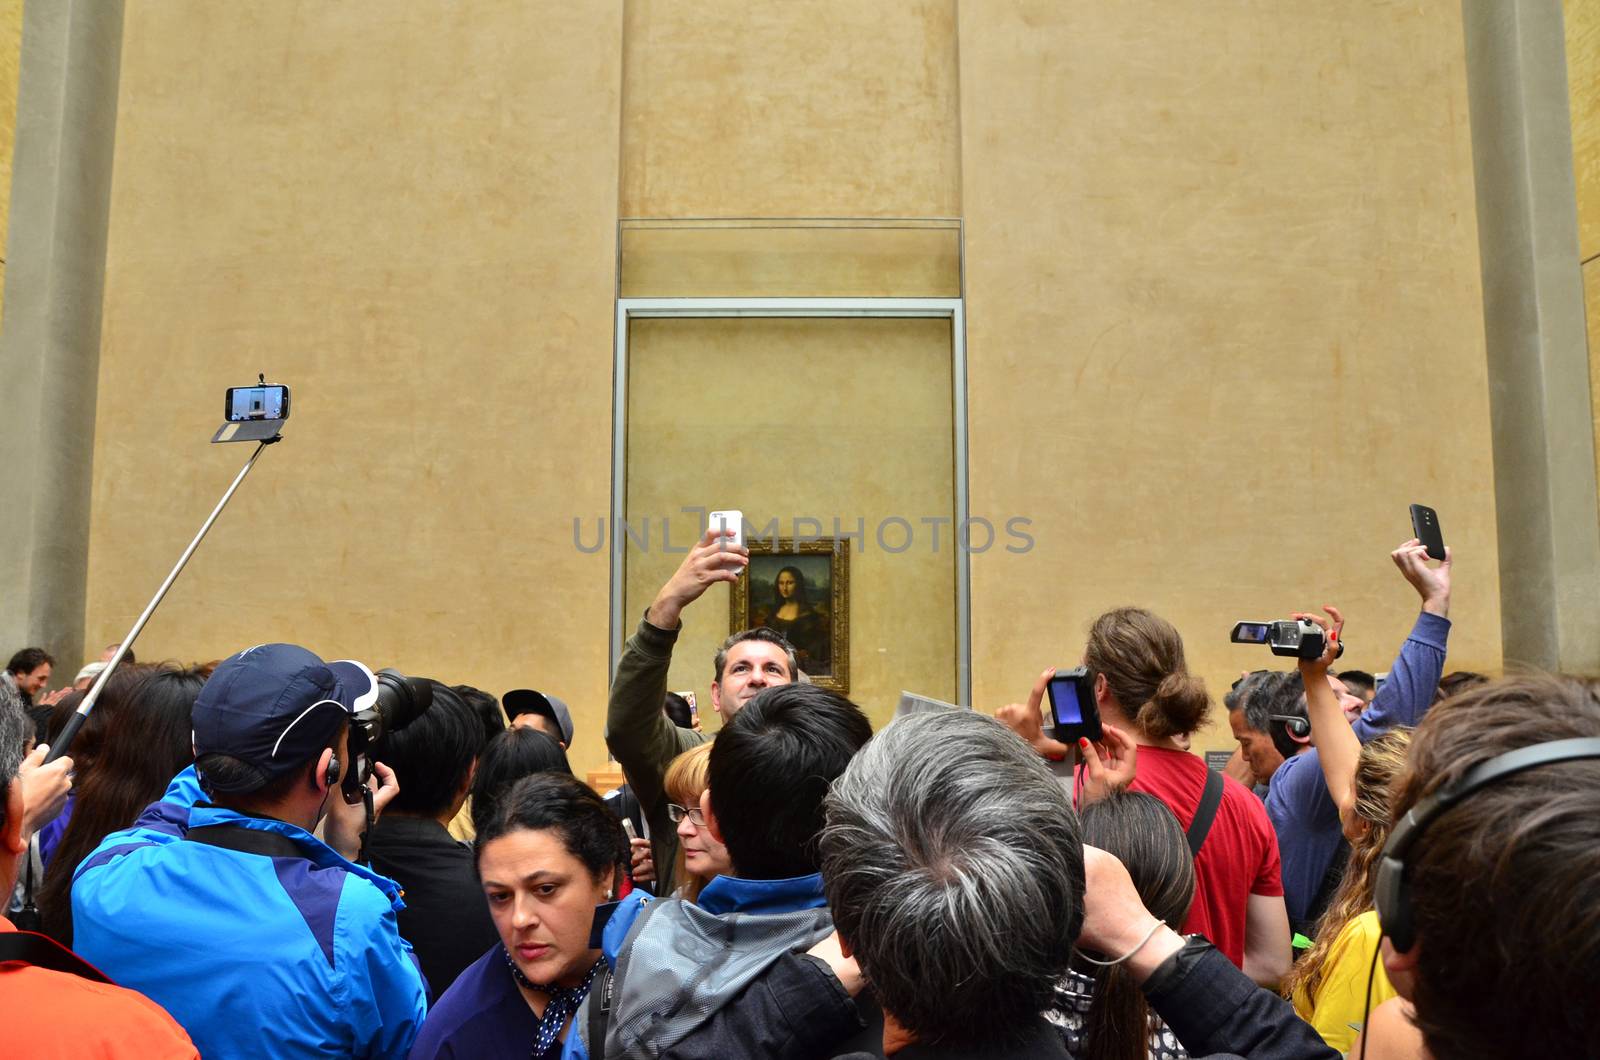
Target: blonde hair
(686,780)
(1379,766)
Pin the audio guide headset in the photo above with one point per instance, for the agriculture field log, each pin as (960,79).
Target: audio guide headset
(1393,887)
(1299,728)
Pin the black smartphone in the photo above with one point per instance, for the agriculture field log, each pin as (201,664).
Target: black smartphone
(1425,528)
(1073,707)
(243,403)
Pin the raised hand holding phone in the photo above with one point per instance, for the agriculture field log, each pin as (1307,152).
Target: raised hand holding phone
(1431,583)
(714,558)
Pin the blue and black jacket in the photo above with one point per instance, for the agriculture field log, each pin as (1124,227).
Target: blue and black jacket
(286,955)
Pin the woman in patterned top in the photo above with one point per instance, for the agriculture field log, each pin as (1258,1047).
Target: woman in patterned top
(1101,1012)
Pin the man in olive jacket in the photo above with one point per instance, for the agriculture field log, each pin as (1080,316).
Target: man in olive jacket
(642,738)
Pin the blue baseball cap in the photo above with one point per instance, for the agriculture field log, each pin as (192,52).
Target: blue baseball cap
(275,706)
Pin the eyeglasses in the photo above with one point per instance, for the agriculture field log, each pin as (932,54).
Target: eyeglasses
(677,813)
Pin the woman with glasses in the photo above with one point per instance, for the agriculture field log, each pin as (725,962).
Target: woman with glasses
(700,856)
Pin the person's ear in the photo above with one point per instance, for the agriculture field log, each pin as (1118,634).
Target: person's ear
(319,774)
(1402,968)
(1102,690)
(716,696)
(711,818)
(11,839)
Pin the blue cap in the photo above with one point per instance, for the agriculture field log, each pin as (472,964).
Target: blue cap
(276,706)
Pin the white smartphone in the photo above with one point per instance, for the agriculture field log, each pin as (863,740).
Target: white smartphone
(627,828)
(732,520)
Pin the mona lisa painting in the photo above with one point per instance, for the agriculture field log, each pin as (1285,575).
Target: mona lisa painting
(802,590)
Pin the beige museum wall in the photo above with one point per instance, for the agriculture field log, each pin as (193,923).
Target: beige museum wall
(1224,323)
(1222,282)
(403,211)
(10,59)
(830,108)
(1582,24)
(860,432)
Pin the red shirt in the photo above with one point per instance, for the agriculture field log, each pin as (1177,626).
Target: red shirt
(1240,854)
(53,1014)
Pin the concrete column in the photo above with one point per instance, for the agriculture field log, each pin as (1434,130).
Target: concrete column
(50,348)
(1545,490)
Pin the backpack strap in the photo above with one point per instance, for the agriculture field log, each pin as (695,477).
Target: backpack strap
(600,997)
(1206,813)
(246,840)
(41,951)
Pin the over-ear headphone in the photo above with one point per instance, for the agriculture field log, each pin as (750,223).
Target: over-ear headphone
(1299,728)
(1392,892)
(331,777)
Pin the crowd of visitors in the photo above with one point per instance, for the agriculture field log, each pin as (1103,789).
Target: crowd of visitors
(1397,863)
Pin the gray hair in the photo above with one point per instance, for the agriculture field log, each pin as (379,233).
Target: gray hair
(15,728)
(1251,696)
(953,863)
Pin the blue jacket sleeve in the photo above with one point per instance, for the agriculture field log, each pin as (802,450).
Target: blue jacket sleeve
(1413,680)
(385,997)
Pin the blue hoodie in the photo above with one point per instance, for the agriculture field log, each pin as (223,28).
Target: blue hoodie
(256,956)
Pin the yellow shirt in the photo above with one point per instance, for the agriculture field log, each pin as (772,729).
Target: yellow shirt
(1337,1009)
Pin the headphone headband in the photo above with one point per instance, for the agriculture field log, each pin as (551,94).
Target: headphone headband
(1393,886)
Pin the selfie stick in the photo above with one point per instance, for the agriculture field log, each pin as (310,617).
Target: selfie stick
(74,723)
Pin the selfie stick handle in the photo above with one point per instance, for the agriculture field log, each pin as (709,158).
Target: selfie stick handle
(74,723)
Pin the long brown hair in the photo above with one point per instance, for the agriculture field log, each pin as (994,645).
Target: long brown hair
(1141,656)
(148,741)
(1379,766)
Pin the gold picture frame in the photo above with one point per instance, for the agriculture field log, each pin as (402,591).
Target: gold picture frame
(818,619)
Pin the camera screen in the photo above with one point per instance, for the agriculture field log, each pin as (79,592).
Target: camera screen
(1064,701)
(256,403)
(1251,633)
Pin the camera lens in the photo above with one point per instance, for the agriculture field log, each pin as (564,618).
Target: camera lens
(401,700)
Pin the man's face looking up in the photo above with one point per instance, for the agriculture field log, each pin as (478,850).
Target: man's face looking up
(752,666)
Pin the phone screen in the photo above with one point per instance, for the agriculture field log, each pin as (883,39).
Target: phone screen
(256,402)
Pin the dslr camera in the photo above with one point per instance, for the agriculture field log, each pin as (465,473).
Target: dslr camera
(1295,638)
(401,701)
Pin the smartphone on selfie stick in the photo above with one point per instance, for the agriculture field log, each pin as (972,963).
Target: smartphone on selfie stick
(253,414)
